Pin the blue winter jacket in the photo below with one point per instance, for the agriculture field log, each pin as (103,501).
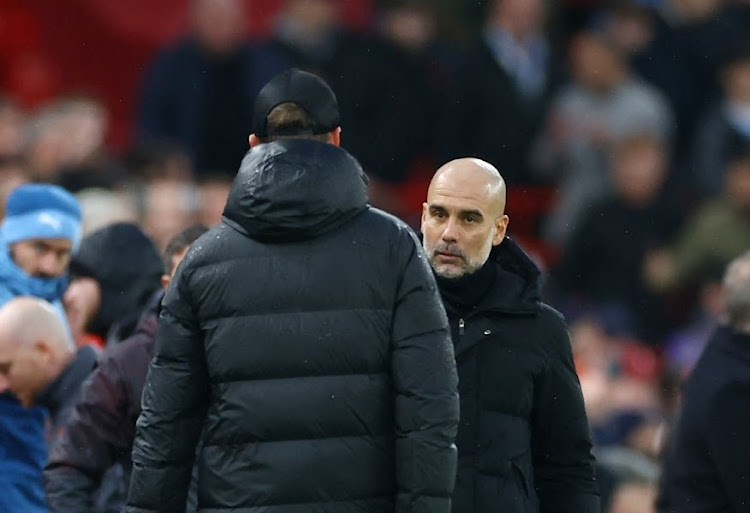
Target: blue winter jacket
(23,449)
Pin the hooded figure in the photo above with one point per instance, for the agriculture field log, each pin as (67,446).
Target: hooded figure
(121,267)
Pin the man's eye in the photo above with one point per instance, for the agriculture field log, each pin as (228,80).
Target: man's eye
(471,219)
(439,215)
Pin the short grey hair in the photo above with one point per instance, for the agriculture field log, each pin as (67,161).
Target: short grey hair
(736,287)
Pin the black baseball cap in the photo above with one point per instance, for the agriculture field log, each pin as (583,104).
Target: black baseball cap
(308,91)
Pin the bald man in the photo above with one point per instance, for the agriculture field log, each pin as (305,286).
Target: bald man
(38,361)
(523,440)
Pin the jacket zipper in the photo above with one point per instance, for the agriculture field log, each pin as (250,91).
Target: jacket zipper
(461,325)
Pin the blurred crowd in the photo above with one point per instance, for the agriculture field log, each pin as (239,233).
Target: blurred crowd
(622,128)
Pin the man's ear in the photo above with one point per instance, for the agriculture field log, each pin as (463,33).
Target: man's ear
(501,226)
(254,140)
(165,279)
(425,210)
(336,136)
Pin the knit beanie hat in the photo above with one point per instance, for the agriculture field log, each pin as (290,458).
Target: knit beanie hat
(41,211)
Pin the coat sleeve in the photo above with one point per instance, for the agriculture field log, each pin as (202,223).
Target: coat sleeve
(97,433)
(425,382)
(728,442)
(561,443)
(174,407)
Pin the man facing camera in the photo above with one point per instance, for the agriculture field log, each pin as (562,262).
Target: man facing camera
(523,441)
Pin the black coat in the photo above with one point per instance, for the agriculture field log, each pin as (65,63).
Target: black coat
(707,466)
(89,464)
(305,337)
(523,440)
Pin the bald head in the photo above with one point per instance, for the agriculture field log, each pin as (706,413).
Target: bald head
(474,177)
(463,217)
(34,347)
(26,319)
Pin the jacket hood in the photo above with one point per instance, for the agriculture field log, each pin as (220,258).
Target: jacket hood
(295,189)
(519,280)
(127,266)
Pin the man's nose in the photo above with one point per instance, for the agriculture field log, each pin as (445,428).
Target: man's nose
(50,265)
(450,232)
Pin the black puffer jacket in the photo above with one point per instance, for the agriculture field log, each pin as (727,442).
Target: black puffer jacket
(305,336)
(523,441)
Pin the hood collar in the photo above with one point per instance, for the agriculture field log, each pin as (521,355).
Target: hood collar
(295,189)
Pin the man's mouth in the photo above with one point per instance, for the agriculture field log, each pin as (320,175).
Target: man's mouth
(447,255)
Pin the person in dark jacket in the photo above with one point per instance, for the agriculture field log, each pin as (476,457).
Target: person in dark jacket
(103,421)
(523,440)
(706,465)
(38,361)
(304,337)
(206,80)
(114,273)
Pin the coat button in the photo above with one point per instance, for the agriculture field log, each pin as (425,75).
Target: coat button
(487,332)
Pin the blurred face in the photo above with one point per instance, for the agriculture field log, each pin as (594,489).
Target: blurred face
(519,16)
(176,259)
(595,65)
(461,221)
(213,198)
(169,208)
(24,369)
(81,300)
(638,173)
(313,16)
(219,24)
(42,258)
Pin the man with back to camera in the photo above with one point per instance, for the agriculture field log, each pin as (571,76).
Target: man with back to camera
(40,230)
(523,440)
(304,336)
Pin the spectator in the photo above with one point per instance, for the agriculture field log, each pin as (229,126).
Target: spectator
(706,463)
(617,232)
(113,275)
(505,89)
(383,95)
(199,93)
(523,439)
(603,104)
(725,127)
(306,304)
(40,230)
(717,232)
(67,144)
(96,442)
(170,206)
(40,364)
(213,192)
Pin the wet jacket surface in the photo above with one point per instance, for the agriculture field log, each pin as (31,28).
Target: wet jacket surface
(523,440)
(304,336)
